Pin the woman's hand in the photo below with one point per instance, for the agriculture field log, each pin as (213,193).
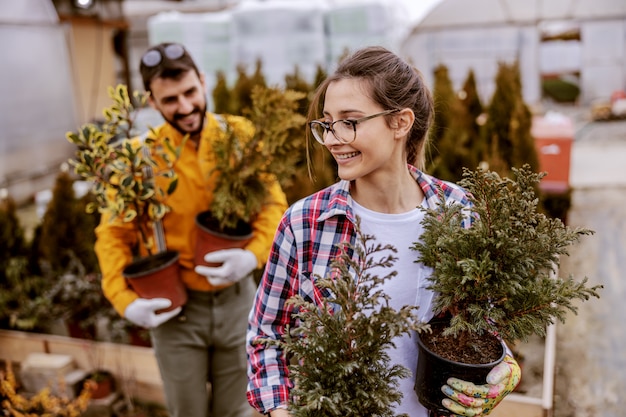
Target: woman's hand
(469,400)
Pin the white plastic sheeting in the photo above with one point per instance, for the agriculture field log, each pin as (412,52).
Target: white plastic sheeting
(36,93)
(478,34)
(282,34)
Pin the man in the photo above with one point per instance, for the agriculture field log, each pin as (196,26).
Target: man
(203,344)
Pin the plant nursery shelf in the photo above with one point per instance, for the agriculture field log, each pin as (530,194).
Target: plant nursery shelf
(138,365)
(132,366)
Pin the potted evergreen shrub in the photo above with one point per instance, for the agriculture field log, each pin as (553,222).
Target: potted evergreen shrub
(340,365)
(131,180)
(494,280)
(246,168)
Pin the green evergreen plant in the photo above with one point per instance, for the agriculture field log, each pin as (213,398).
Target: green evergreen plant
(507,130)
(241,91)
(21,303)
(12,236)
(67,230)
(341,367)
(222,102)
(443,96)
(496,277)
(247,167)
(452,142)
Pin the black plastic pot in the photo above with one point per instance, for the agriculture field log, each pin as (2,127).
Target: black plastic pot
(433,371)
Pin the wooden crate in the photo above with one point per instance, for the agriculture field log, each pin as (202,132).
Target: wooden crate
(135,368)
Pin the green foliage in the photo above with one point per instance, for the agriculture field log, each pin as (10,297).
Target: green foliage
(320,76)
(20,305)
(341,366)
(117,167)
(12,240)
(241,92)
(77,295)
(67,229)
(559,90)
(471,102)
(247,167)
(557,204)
(496,275)
(443,96)
(507,132)
(221,94)
(229,102)
(454,139)
(23,305)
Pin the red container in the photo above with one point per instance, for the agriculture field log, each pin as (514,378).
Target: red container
(157,276)
(553,136)
(209,240)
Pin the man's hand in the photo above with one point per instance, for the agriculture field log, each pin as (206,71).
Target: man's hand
(143,312)
(469,400)
(236,265)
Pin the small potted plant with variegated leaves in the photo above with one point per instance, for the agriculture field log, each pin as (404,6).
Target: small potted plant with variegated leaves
(131,179)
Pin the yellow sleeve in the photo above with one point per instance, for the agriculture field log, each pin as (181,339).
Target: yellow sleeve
(114,243)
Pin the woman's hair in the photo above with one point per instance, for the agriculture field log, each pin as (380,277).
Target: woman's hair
(393,84)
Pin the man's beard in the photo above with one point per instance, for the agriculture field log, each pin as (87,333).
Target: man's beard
(174,121)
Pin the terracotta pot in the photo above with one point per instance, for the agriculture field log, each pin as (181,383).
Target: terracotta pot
(209,239)
(138,336)
(433,371)
(157,276)
(102,383)
(77,330)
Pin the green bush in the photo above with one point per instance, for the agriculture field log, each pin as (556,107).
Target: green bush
(560,90)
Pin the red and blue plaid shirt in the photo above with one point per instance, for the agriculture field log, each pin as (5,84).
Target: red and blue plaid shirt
(306,242)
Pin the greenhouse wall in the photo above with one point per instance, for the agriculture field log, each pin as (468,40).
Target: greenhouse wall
(37,105)
(282,34)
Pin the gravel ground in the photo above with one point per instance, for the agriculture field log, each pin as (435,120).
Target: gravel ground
(591,358)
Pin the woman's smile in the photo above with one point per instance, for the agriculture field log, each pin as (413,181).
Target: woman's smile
(346,155)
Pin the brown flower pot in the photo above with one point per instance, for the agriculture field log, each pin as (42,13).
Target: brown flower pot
(209,239)
(102,384)
(157,276)
(433,371)
(80,331)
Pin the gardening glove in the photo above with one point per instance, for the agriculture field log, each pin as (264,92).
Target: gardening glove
(236,264)
(467,399)
(143,312)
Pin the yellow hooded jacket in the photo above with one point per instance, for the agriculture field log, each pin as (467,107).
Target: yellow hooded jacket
(193,194)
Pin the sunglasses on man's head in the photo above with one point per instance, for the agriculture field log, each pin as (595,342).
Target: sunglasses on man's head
(154,57)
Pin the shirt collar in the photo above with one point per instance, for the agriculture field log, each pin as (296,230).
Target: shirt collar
(340,200)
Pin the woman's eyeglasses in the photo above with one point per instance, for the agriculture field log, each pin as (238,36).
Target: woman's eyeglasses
(154,57)
(344,129)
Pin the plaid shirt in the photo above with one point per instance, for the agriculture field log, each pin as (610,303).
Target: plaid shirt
(306,242)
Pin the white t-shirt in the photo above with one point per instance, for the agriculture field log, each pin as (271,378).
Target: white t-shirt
(408,287)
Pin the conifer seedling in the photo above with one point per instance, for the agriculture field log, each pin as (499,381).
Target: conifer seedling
(498,276)
(340,365)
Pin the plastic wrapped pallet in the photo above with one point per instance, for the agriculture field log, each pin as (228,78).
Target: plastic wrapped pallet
(282,35)
(207,37)
(354,24)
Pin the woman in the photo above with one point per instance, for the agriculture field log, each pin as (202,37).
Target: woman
(373,115)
